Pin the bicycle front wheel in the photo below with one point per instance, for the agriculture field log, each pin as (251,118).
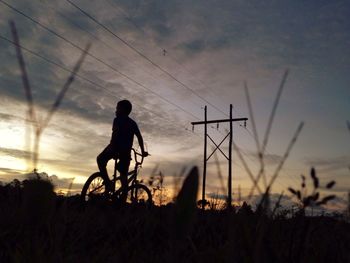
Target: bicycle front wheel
(139,194)
(94,187)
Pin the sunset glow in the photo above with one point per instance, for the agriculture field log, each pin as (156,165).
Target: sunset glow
(192,54)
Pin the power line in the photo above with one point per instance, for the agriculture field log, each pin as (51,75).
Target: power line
(291,177)
(253,161)
(140,29)
(77,74)
(185,69)
(143,56)
(96,37)
(248,156)
(139,53)
(253,136)
(48,60)
(98,59)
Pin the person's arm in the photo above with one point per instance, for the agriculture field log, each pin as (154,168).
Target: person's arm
(140,140)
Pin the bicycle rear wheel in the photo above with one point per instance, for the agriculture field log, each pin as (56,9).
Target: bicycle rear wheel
(93,188)
(139,194)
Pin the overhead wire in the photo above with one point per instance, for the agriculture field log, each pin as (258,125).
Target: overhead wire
(78,75)
(70,21)
(93,36)
(143,56)
(95,20)
(182,67)
(245,128)
(243,152)
(283,185)
(274,158)
(253,161)
(98,59)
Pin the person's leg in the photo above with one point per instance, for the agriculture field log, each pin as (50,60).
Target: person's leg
(123,169)
(102,160)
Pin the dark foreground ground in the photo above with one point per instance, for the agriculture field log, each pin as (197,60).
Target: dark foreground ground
(38,226)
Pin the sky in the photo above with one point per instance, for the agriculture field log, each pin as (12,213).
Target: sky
(170,59)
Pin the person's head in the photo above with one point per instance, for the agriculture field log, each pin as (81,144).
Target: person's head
(124,108)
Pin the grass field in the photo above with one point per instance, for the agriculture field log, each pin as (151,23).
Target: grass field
(39,226)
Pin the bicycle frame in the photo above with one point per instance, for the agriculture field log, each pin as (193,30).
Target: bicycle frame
(136,191)
(132,175)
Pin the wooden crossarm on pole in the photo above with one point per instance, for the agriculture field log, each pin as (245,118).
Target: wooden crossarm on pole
(218,121)
(217,147)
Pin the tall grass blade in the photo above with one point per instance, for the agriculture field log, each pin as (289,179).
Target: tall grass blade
(65,87)
(30,116)
(273,112)
(278,204)
(38,202)
(70,187)
(25,79)
(38,126)
(185,205)
(256,136)
(246,167)
(267,133)
(286,154)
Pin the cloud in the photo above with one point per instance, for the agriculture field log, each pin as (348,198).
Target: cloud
(9,117)
(269,159)
(338,204)
(16,153)
(8,174)
(60,184)
(65,184)
(286,201)
(329,164)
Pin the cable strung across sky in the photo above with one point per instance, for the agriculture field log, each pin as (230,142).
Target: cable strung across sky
(99,60)
(96,58)
(144,56)
(83,78)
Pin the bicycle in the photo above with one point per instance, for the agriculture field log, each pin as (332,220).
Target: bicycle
(137,193)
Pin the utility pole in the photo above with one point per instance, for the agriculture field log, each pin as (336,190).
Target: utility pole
(217,147)
(229,196)
(205,155)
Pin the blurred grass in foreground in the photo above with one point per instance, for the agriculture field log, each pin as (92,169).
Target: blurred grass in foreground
(39,226)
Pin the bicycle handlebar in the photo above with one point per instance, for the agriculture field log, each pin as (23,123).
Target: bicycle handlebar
(136,153)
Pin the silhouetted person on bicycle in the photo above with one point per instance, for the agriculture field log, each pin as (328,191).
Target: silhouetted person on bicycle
(124,129)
